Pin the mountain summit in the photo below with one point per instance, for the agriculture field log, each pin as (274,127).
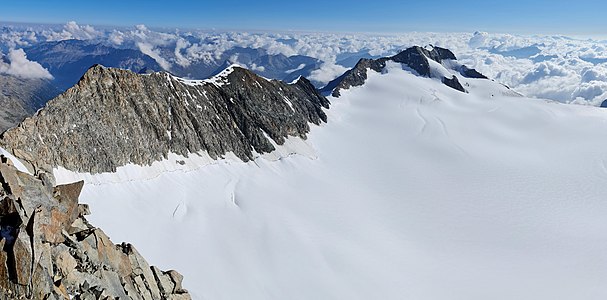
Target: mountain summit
(422,61)
(115,117)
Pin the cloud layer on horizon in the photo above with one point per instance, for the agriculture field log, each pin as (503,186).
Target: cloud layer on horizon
(18,65)
(551,67)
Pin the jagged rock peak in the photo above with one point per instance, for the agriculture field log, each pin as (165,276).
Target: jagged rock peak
(416,58)
(114,117)
(48,250)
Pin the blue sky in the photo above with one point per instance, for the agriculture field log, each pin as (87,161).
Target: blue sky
(514,16)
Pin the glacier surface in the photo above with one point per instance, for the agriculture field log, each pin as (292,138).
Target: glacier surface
(413,190)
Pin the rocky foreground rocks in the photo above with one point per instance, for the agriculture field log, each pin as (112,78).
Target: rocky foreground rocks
(109,119)
(48,250)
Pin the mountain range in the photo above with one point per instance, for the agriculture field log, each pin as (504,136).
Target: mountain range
(410,175)
(68,60)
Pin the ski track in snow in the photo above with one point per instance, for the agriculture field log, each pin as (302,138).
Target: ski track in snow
(424,121)
(388,207)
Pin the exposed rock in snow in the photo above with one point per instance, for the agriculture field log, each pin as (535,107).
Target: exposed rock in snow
(423,61)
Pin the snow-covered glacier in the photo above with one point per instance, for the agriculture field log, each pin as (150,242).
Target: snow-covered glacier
(412,190)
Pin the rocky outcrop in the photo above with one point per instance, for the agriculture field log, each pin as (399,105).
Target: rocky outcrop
(115,117)
(355,76)
(48,250)
(416,58)
(453,83)
(471,73)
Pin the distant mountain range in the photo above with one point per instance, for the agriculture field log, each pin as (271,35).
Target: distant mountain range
(68,60)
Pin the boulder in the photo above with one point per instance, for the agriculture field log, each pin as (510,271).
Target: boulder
(48,250)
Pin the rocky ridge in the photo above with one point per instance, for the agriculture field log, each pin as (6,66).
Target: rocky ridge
(115,117)
(111,118)
(416,58)
(48,250)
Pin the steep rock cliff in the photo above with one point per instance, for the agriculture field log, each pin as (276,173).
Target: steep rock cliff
(115,117)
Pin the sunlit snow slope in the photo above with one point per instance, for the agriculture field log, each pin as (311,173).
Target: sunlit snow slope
(417,191)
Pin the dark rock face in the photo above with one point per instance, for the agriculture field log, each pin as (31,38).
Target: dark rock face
(20,98)
(416,58)
(48,250)
(471,73)
(453,83)
(604,103)
(115,117)
(355,76)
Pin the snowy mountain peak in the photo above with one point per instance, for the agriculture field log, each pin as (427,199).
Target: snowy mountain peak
(223,74)
(429,61)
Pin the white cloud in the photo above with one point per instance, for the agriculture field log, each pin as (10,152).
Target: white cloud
(154,53)
(19,65)
(255,67)
(594,73)
(84,32)
(594,92)
(479,39)
(14,39)
(566,70)
(179,58)
(116,37)
(327,72)
(546,69)
(301,66)
(71,30)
